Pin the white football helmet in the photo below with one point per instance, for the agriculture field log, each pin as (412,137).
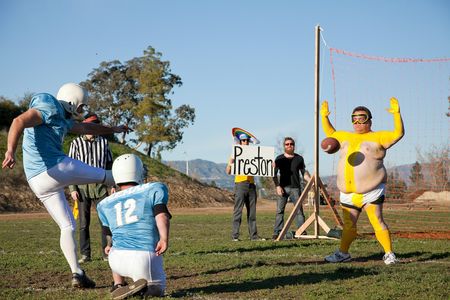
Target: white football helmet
(72,96)
(128,168)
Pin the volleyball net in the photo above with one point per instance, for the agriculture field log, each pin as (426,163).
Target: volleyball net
(418,165)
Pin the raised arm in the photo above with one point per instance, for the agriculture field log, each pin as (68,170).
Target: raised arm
(97,129)
(389,138)
(30,118)
(326,124)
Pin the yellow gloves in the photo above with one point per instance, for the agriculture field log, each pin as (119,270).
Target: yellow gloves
(324,112)
(395,108)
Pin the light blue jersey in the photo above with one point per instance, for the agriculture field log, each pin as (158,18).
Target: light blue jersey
(129,216)
(42,144)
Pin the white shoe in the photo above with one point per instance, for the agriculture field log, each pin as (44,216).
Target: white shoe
(338,256)
(389,258)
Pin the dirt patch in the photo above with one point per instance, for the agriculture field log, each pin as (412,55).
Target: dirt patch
(186,193)
(437,235)
(428,196)
(424,235)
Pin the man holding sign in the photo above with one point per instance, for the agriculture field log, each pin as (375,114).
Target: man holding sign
(244,191)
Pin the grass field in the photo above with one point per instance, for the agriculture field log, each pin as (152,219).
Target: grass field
(203,263)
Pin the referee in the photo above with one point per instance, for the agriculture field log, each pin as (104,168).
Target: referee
(94,151)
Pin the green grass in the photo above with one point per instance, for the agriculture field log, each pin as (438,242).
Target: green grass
(203,263)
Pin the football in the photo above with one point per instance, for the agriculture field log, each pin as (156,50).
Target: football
(330,145)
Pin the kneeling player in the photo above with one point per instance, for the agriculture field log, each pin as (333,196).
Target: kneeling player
(138,220)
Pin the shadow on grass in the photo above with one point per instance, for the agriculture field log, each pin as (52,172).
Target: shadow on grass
(242,266)
(425,256)
(341,273)
(372,257)
(413,256)
(417,256)
(214,271)
(435,256)
(258,246)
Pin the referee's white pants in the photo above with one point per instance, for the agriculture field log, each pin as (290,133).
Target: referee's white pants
(49,188)
(137,265)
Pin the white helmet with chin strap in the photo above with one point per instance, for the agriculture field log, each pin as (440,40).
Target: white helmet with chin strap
(128,168)
(72,96)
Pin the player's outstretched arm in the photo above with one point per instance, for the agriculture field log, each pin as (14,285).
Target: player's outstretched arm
(389,138)
(163,225)
(97,129)
(30,118)
(326,124)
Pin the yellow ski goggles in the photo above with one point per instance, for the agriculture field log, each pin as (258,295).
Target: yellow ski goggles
(360,118)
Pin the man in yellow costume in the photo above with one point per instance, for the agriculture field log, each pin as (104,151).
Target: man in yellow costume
(361,175)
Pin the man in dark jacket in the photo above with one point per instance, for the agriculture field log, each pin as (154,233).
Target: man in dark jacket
(291,165)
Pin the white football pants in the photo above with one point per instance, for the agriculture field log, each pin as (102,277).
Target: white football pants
(49,188)
(137,265)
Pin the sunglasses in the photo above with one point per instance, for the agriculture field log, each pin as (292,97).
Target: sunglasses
(360,118)
(289,144)
(245,140)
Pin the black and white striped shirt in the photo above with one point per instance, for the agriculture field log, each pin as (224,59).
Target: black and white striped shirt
(95,153)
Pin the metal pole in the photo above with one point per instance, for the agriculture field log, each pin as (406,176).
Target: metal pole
(187,163)
(316,133)
(187,167)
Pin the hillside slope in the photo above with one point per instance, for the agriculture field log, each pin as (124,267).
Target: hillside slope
(16,195)
(205,171)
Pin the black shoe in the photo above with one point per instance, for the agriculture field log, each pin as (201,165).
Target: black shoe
(82,281)
(132,289)
(258,239)
(274,236)
(116,286)
(84,258)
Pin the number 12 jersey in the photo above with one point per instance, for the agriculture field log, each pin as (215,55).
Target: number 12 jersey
(129,216)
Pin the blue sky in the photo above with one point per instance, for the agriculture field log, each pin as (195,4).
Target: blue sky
(246,64)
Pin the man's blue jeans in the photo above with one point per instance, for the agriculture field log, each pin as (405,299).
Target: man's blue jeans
(293,194)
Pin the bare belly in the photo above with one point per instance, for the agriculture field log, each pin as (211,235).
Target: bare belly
(360,184)
(360,173)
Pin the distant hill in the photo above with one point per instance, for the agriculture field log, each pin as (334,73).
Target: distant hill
(184,191)
(205,171)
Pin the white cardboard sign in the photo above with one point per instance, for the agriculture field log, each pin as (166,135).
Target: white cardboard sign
(253,161)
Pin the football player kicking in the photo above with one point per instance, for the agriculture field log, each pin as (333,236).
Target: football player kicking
(361,176)
(48,170)
(137,218)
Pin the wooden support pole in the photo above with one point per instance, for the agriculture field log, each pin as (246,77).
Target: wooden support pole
(315,181)
(316,131)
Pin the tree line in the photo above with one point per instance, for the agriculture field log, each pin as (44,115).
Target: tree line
(429,173)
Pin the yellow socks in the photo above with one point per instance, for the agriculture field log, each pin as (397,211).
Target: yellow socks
(384,238)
